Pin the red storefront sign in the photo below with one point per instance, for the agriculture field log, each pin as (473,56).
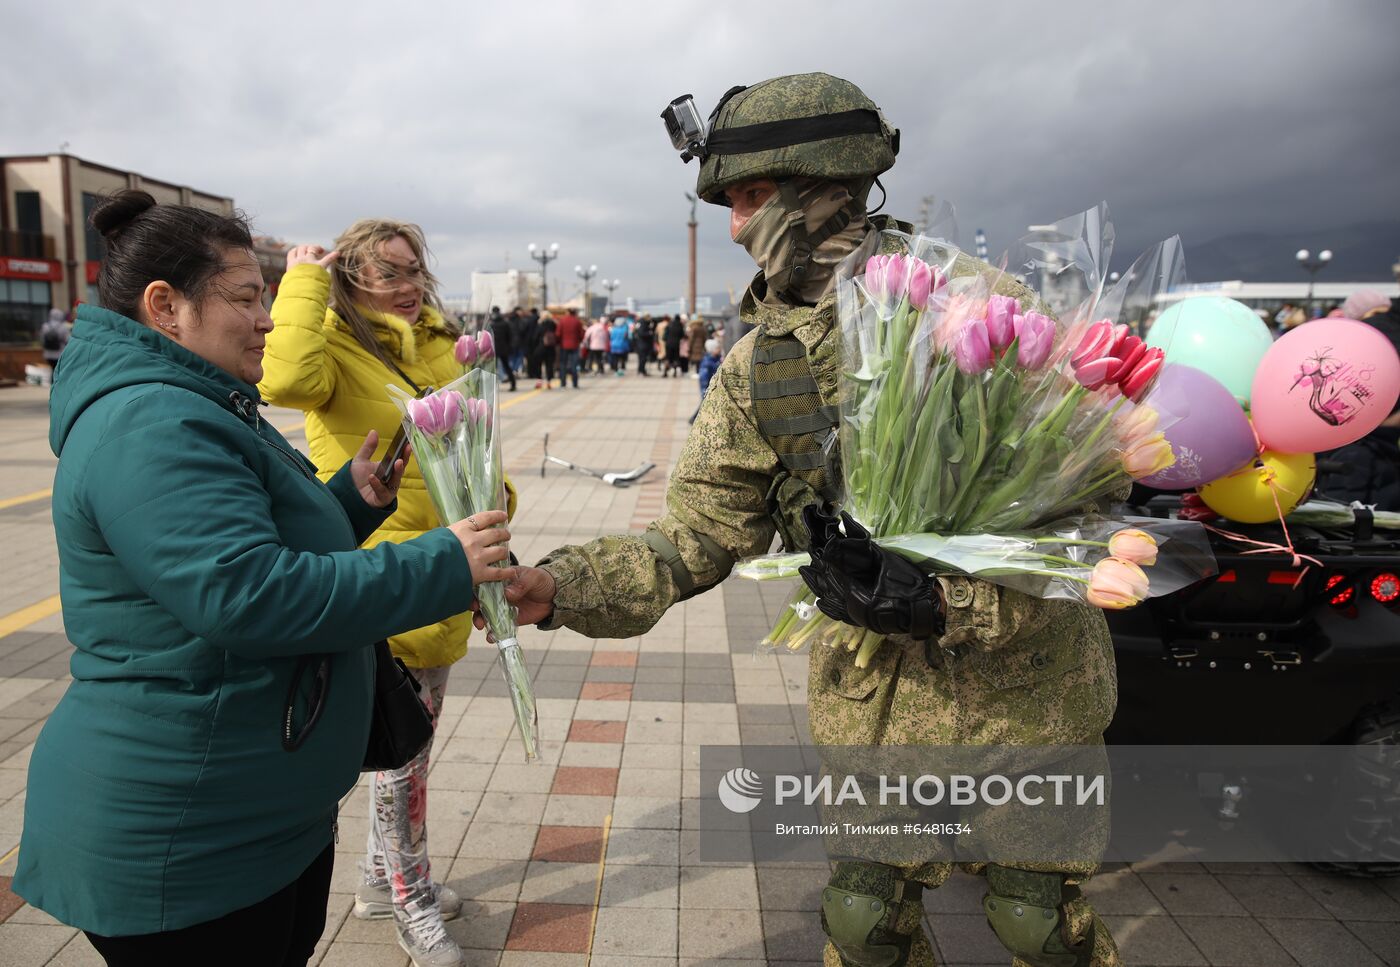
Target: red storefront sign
(92,270)
(38,270)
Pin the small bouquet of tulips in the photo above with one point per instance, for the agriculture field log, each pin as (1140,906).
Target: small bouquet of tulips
(453,432)
(979,434)
(476,351)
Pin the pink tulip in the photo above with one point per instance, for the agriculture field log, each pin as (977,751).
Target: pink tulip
(1035,337)
(875,271)
(924,280)
(897,276)
(485,346)
(949,326)
(1117,584)
(887,277)
(1136,383)
(973,349)
(1133,544)
(1001,326)
(437,413)
(465,350)
(1148,456)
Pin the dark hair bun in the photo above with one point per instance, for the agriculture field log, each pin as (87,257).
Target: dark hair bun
(115,212)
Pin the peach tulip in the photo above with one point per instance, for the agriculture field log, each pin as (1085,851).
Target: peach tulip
(1134,425)
(1148,456)
(1135,545)
(1116,584)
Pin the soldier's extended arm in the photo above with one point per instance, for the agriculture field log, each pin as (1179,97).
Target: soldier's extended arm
(717,512)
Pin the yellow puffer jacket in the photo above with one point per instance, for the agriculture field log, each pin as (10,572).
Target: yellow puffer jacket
(313,363)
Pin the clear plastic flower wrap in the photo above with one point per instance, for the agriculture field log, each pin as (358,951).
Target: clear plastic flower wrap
(978,431)
(454,437)
(1327,513)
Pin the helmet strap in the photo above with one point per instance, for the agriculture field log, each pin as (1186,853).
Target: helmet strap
(884,197)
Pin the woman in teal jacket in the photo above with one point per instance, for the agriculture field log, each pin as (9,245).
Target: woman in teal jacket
(200,558)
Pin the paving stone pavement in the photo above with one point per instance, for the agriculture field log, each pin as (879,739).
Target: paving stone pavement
(591,855)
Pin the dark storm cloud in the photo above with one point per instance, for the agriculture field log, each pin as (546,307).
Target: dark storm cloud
(493,130)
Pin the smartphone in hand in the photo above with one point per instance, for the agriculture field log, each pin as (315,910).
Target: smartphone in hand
(385,470)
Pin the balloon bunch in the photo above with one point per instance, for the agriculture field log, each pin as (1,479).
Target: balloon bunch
(1245,414)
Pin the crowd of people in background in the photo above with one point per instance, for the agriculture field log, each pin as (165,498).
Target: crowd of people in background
(543,345)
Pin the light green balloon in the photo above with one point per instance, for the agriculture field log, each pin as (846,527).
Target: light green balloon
(1216,335)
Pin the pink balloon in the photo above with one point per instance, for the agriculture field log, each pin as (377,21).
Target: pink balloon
(1323,385)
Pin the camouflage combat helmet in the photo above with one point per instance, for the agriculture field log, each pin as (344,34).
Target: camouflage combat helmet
(801,125)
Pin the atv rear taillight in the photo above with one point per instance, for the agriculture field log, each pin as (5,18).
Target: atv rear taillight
(1385,587)
(1340,591)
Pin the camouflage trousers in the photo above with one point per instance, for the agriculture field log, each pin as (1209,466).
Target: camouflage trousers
(1055,686)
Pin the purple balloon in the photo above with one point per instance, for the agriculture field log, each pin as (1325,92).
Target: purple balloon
(1205,425)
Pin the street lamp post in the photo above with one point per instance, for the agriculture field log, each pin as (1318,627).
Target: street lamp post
(586,275)
(544,256)
(1312,265)
(690,228)
(610,284)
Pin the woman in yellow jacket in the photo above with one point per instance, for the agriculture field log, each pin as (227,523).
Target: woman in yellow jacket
(347,323)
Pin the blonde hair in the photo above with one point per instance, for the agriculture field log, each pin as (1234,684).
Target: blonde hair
(360,247)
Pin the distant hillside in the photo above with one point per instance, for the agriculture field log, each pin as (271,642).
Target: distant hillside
(1360,253)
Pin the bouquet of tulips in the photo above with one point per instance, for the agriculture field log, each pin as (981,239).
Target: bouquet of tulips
(979,433)
(453,432)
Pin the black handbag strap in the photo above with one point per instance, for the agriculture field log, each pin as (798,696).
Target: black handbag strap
(417,390)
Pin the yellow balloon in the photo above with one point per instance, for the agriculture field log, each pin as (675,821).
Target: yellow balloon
(1248,495)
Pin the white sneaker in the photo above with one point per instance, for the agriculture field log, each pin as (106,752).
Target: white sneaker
(374,902)
(442,953)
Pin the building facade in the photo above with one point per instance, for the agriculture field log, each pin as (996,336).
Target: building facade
(49,255)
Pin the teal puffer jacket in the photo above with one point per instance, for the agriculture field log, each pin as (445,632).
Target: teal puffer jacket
(199,556)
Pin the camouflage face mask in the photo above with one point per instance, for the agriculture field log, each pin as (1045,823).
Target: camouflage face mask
(764,235)
(769,237)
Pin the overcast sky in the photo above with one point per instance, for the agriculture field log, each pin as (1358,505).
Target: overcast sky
(494,125)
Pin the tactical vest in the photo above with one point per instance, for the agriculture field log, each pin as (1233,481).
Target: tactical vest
(788,406)
(801,429)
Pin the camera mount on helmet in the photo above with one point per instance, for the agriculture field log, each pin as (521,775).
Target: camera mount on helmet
(684,126)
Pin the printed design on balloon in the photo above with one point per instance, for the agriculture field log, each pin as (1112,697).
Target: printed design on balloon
(1339,390)
(1188,462)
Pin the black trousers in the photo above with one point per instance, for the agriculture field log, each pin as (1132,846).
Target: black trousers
(504,362)
(283,929)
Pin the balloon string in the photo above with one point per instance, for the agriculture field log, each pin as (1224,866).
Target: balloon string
(1271,481)
(1264,547)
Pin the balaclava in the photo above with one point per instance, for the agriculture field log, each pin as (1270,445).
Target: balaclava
(769,239)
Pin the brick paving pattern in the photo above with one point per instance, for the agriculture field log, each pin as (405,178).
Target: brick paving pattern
(592,855)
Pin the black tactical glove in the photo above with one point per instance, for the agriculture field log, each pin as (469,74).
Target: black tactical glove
(860,583)
(821,527)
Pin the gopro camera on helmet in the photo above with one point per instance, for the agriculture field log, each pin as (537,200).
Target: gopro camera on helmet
(685,127)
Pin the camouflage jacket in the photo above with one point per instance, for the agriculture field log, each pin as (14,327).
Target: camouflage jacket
(729,495)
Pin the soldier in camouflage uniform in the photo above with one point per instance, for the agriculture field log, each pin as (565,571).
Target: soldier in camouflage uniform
(1006,668)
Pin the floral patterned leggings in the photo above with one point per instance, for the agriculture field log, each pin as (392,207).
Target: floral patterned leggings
(398,831)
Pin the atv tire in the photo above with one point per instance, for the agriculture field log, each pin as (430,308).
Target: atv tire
(1366,810)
